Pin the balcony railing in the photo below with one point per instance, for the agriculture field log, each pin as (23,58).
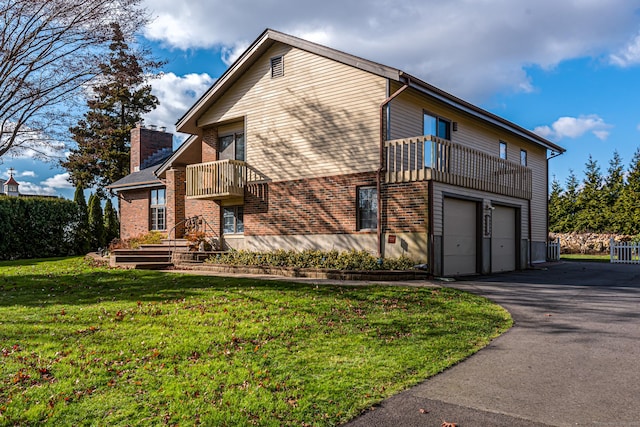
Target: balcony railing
(430,158)
(218,180)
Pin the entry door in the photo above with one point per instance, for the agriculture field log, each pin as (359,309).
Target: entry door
(503,239)
(459,237)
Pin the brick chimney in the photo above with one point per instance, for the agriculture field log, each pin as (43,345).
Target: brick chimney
(147,142)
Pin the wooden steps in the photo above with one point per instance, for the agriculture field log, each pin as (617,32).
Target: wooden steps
(158,256)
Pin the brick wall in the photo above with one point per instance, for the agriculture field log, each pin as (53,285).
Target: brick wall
(405,207)
(209,145)
(176,191)
(134,212)
(145,142)
(325,205)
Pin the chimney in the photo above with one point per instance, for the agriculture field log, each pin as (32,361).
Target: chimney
(146,142)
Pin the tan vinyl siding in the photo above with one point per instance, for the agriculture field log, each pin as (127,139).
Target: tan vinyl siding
(407,121)
(440,190)
(321,118)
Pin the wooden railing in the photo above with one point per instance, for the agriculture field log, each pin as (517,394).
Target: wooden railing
(216,180)
(426,158)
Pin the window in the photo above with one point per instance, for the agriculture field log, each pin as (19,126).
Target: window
(436,126)
(233,220)
(523,157)
(232,147)
(157,207)
(277,67)
(503,150)
(367,208)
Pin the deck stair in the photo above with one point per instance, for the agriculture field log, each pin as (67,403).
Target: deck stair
(149,256)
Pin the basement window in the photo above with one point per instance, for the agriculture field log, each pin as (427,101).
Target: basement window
(367,208)
(277,66)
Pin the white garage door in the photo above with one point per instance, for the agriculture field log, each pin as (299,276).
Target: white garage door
(459,237)
(503,239)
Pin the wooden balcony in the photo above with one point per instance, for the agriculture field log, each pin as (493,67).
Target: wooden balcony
(427,158)
(219,180)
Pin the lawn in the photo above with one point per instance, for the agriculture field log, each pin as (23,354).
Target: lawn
(85,345)
(586,257)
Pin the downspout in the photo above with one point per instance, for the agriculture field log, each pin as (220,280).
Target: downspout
(553,154)
(381,167)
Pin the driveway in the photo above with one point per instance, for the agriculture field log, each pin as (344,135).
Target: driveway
(571,359)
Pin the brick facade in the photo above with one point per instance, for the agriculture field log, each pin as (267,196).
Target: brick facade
(176,192)
(209,145)
(134,213)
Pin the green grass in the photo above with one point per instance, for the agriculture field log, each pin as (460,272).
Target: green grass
(83,345)
(586,257)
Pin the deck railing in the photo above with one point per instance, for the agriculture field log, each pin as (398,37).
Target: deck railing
(426,158)
(216,180)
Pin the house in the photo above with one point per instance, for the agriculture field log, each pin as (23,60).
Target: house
(9,187)
(301,146)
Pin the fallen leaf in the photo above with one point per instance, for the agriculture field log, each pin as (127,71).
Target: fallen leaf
(423,411)
(446,424)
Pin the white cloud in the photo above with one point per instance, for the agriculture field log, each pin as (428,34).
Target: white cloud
(470,48)
(49,187)
(176,94)
(575,127)
(31,174)
(629,55)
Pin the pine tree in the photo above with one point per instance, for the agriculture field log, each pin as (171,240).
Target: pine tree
(111,223)
(120,100)
(590,200)
(569,205)
(96,224)
(556,207)
(612,192)
(629,202)
(81,227)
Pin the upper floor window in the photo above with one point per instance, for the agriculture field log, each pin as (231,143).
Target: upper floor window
(233,220)
(523,157)
(436,126)
(157,209)
(367,208)
(232,147)
(503,150)
(277,66)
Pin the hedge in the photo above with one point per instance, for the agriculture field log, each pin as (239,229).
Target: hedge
(37,227)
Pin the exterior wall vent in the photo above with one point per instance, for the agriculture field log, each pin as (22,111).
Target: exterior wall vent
(277,67)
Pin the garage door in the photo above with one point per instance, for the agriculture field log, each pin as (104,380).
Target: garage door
(503,239)
(459,237)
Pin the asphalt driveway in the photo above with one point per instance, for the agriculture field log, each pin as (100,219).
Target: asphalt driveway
(572,358)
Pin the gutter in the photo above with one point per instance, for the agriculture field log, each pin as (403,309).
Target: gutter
(381,167)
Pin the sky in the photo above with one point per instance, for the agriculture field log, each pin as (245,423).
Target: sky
(568,70)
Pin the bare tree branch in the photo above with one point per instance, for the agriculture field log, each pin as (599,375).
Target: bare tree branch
(50,51)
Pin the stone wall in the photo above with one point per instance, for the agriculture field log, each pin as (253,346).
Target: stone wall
(587,243)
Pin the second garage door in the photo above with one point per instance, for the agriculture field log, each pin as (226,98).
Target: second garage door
(459,237)
(503,239)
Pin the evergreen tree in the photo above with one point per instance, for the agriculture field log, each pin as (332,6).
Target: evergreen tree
(629,222)
(612,192)
(590,200)
(556,207)
(96,224)
(111,223)
(81,226)
(569,205)
(120,99)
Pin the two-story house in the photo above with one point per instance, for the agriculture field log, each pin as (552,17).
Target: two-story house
(301,146)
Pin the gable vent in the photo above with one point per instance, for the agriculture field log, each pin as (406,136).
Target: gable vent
(277,67)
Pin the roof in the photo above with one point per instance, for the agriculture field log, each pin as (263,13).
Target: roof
(11,181)
(189,122)
(141,179)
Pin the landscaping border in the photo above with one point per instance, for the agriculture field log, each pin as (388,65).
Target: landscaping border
(312,273)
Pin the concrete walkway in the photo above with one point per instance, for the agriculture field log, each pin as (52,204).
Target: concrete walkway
(572,358)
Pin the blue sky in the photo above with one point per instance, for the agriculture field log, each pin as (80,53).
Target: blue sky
(567,69)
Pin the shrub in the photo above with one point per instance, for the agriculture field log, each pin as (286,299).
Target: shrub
(334,260)
(150,238)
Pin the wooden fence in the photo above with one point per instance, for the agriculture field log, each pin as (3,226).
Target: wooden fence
(553,250)
(624,252)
